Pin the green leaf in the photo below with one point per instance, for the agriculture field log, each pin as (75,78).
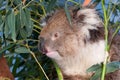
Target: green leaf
(97,74)
(17,2)
(22,50)
(0,19)
(22,17)
(18,24)
(23,33)
(1,23)
(16,64)
(97,69)
(94,68)
(113,66)
(28,23)
(6,48)
(51,5)
(59,73)
(29,29)
(1,1)
(27,16)
(11,24)
(1,26)
(68,15)
(6,30)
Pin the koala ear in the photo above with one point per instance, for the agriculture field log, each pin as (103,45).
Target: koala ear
(45,19)
(78,16)
(43,22)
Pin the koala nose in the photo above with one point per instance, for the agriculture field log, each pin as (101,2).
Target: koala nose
(41,44)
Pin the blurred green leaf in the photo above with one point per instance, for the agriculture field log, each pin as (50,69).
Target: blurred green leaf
(6,48)
(1,26)
(18,24)
(97,69)
(1,1)
(97,74)
(22,17)
(30,29)
(27,16)
(51,5)
(28,23)
(6,30)
(68,14)
(23,33)
(60,76)
(22,50)
(17,2)
(113,66)
(11,25)
(94,68)
(16,64)
(0,19)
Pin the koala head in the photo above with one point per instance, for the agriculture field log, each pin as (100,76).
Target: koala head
(56,36)
(74,47)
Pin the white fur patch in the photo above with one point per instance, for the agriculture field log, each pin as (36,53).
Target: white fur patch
(86,57)
(91,16)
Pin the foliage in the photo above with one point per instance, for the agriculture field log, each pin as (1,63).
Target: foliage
(111,67)
(20,27)
(19,30)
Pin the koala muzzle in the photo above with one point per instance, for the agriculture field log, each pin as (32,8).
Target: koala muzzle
(41,45)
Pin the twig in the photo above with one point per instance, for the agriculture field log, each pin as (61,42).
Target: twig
(37,61)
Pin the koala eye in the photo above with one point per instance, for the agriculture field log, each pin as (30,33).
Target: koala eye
(56,35)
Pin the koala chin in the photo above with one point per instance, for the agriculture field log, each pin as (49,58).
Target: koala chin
(77,47)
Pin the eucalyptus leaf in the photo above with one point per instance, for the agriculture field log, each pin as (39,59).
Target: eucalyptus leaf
(23,33)
(17,2)
(29,29)
(94,68)
(60,76)
(1,1)
(22,17)
(16,64)
(22,50)
(18,23)
(97,74)
(113,66)
(6,30)
(1,26)
(0,19)
(68,15)
(28,23)
(11,25)
(51,5)
(28,16)
(6,48)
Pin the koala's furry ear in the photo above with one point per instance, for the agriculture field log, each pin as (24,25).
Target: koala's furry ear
(45,19)
(77,16)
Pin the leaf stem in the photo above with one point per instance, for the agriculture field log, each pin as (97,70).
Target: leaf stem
(60,76)
(32,53)
(106,40)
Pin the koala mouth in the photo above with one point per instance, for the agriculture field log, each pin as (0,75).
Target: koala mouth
(51,53)
(47,51)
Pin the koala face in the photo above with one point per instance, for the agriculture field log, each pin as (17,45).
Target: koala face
(56,36)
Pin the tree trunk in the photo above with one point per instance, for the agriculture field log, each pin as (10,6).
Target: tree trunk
(5,73)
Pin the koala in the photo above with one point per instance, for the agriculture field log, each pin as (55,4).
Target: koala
(77,47)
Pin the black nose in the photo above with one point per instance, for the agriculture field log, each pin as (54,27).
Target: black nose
(41,44)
